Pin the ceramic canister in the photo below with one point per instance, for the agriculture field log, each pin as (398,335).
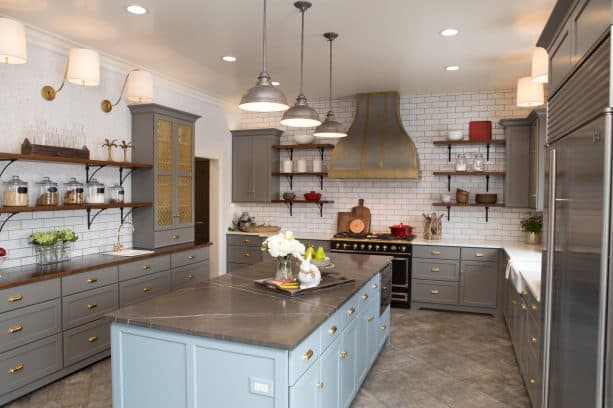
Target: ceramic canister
(286,166)
(316,165)
(301,166)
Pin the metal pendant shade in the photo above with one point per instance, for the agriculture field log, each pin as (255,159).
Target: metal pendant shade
(301,115)
(264,96)
(330,128)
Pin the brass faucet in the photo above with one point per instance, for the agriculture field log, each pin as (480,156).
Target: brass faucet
(118,245)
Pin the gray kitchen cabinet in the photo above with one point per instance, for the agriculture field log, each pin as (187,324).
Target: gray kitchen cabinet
(561,57)
(164,137)
(243,250)
(538,140)
(189,275)
(253,162)
(479,284)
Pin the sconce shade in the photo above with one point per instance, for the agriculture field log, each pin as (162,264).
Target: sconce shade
(83,67)
(13,48)
(540,65)
(529,93)
(140,86)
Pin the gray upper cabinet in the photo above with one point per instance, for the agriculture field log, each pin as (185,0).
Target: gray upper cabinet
(525,160)
(253,161)
(561,57)
(164,137)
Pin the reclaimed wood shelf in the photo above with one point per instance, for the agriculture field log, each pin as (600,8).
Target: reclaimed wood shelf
(290,204)
(453,204)
(322,147)
(290,177)
(486,143)
(487,175)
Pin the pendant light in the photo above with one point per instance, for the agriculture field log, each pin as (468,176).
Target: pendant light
(540,65)
(330,127)
(529,93)
(264,97)
(301,115)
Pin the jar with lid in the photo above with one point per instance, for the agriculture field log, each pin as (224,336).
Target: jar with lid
(48,192)
(74,192)
(478,162)
(460,163)
(95,192)
(15,193)
(117,193)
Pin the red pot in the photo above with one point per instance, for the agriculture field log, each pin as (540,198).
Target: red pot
(312,196)
(401,230)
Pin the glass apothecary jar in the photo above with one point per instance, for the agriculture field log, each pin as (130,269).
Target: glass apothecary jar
(74,192)
(460,162)
(94,192)
(478,163)
(48,192)
(117,193)
(15,193)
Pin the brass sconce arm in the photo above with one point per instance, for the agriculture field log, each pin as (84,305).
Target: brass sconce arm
(106,105)
(49,93)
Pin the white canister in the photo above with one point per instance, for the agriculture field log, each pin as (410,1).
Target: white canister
(286,166)
(316,165)
(301,166)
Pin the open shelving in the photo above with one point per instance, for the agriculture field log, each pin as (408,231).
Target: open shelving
(322,147)
(290,204)
(452,204)
(486,143)
(487,175)
(290,177)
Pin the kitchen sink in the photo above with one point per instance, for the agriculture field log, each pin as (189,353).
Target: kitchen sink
(129,252)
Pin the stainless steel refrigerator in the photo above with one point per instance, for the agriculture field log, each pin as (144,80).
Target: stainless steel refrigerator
(576,268)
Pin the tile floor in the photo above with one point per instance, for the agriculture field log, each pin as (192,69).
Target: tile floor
(436,360)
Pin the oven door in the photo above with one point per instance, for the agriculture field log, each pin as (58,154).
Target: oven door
(385,288)
(401,280)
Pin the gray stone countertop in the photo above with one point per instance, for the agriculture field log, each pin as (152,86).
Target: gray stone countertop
(231,307)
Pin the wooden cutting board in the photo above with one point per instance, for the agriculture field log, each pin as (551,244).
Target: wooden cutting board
(362,213)
(342,221)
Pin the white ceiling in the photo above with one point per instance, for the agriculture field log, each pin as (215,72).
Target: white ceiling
(383,44)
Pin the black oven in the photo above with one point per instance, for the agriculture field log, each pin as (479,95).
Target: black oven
(386,288)
(401,282)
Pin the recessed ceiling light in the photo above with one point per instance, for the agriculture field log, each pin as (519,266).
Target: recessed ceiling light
(450,32)
(275,83)
(452,68)
(229,58)
(136,9)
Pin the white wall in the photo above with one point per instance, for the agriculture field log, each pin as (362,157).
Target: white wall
(426,118)
(21,105)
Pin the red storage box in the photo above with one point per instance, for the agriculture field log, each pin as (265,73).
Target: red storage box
(480,130)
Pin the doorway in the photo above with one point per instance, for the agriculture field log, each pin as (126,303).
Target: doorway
(202,200)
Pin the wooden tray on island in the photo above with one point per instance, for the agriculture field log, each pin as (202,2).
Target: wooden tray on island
(328,280)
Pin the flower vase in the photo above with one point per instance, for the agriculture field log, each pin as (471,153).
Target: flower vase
(284,267)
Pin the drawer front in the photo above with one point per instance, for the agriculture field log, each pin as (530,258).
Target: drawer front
(246,255)
(304,355)
(145,267)
(374,288)
(26,295)
(88,306)
(189,257)
(435,292)
(350,309)
(436,252)
(480,254)
(383,327)
(331,329)
(174,237)
(436,270)
(533,305)
(30,323)
(233,266)
(141,289)
(190,275)
(533,334)
(245,240)
(85,341)
(28,363)
(88,280)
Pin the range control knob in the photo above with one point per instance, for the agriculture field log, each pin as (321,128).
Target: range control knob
(403,248)
(369,247)
(362,246)
(393,248)
(355,246)
(338,245)
(345,246)
(377,247)
(384,248)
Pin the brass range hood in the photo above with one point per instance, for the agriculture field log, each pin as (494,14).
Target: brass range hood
(376,146)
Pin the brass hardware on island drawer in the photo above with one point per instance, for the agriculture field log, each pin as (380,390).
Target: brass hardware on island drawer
(533,339)
(92,280)
(383,327)
(436,252)
(365,296)
(15,329)
(175,236)
(147,266)
(247,255)
(435,269)
(307,356)
(343,354)
(371,318)
(319,386)
(92,305)
(93,339)
(16,369)
(351,311)
(332,330)
(479,254)
(246,241)
(146,289)
(190,276)
(191,257)
(434,291)
(15,298)
(375,286)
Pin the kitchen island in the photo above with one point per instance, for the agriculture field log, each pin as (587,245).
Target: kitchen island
(228,343)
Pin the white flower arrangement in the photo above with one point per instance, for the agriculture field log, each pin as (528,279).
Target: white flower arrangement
(283,244)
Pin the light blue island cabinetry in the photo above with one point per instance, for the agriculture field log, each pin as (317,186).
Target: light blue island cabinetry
(156,366)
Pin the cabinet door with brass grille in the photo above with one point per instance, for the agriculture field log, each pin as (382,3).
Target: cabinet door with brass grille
(184,172)
(164,170)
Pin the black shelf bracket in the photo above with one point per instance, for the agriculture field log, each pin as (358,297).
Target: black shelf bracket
(487,183)
(487,146)
(290,206)
(487,214)
(290,179)
(321,182)
(123,177)
(291,154)
(449,152)
(6,220)
(125,216)
(321,153)
(89,177)
(449,182)
(321,209)
(10,161)
(448,213)
(91,219)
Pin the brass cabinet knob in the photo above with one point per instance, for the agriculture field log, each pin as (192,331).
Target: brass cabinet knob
(332,330)
(533,307)
(533,339)
(524,307)
(308,355)
(375,286)
(514,301)
(92,305)
(365,296)
(175,236)
(191,257)
(146,289)
(434,291)
(190,276)
(15,298)
(93,339)
(343,354)
(247,255)
(383,328)
(246,241)
(16,369)
(15,329)
(351,311)
(319,385)
(479,254)
(92,280)
(147,266)
(532,381)
(436,252)
(435,269)
(371,318)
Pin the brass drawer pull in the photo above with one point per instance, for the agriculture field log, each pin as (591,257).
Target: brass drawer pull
(308,355)
(343,354)
(319,386)
(514,301)
(533,339)
(15,298)
(533,307)
(146,289)
(247,255)
(371,318)
(479,254)
(191,257)
(93,339)
(175,236)
(384,327)
(92,305)
(375,286)
(365,296)
(351,311)
(435,269)
(524,307)
(246,241)
(92,280)
(532,381)
(147,266)
(190,276)
(434,291)
(436,252)
(332,330)
(15,329)
(16,369)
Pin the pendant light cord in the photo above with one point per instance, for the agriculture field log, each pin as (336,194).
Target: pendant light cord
(302,54)
(330,95)
(264,39)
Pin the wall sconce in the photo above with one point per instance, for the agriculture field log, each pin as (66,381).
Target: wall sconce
(83,69)
(13,48)
(139,89)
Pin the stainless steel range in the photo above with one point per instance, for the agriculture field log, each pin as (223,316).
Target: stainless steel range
(382,244)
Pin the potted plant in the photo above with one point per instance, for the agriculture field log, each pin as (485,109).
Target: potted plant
(52,246)
(532,226)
